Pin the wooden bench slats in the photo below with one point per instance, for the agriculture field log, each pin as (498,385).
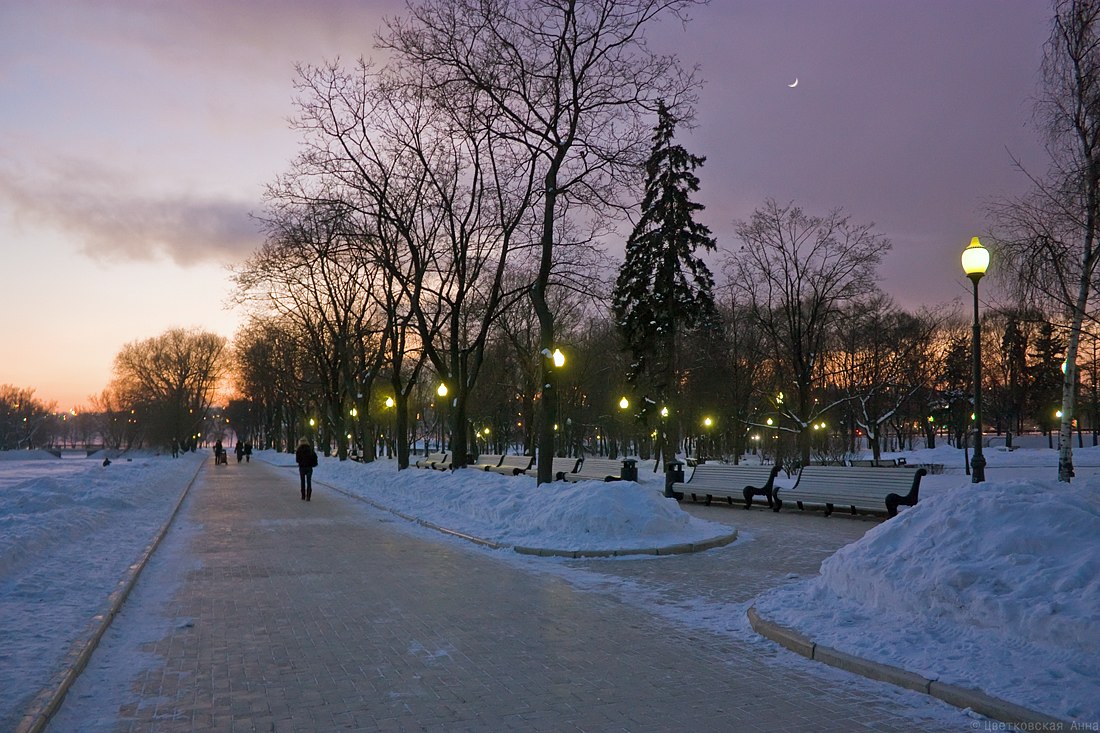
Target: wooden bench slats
(561,466)
(857,487)
(485,461)
(729,481)
(437,461)
(513,465)
(597,469)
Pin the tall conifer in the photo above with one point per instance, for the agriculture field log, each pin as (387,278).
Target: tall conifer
(663,288)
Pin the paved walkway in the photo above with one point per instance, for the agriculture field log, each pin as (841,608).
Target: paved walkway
(331,615)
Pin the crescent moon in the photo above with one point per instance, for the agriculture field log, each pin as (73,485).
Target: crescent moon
(792,86)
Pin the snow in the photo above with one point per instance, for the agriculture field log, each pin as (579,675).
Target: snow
(994,586)
(509,510)
(69,530)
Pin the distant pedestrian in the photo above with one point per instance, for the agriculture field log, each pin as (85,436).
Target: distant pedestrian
(219,453)
(248,451)
(175,448)
(306,458)
(239,450)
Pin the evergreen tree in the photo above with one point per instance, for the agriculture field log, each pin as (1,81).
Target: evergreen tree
(663,288)
(1046,378)
(1014,355)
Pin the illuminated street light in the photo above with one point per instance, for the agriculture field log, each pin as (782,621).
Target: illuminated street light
(624,403)
(559,358)
(975,261)
(442,389)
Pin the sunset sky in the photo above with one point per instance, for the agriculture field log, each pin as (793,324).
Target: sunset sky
(136,139)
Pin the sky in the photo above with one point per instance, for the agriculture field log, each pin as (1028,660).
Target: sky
(974,580)
(136,139)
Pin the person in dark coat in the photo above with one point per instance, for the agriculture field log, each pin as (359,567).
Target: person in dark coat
(239,450)
(306,458)
(248,451)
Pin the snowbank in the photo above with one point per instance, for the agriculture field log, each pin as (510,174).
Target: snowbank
(993,585)
(512,510)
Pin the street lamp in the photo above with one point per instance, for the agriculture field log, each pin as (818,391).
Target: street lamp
(708,449)
(975,261)
(441,390)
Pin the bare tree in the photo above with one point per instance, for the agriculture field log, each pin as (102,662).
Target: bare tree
(798,272)
(564,85)
(877,348)
(1048,239)
(172,378)
(308,273)
(437,204)
(24,419)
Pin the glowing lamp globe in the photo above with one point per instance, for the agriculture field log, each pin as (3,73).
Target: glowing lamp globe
(975,259)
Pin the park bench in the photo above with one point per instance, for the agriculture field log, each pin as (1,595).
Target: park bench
(880,463)
(857,487)
(728,480)
(437,461)
(596,469)
(558,467)
(485,461)
(512,465)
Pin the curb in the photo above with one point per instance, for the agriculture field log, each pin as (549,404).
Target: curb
(961,697)
(678,549)
(49,699)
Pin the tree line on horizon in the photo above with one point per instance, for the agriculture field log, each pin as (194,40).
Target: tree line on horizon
(439,243)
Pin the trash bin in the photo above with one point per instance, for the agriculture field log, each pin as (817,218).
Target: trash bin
(630,469)
(674,472)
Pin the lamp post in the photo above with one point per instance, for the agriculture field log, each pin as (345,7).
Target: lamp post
(624,405)
(975,261)
(707,447)
(390,413)
(441,390)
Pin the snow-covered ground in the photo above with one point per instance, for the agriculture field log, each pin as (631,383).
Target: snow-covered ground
(69,530)
(994,586)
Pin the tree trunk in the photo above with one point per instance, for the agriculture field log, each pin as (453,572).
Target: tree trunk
(545,468)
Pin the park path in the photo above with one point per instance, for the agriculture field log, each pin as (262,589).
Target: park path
(332,615)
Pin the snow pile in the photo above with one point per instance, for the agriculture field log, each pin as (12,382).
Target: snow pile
(27,455)
(69,530)
(512,510)
(993,585)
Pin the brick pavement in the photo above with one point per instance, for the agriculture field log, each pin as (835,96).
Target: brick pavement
(331,615)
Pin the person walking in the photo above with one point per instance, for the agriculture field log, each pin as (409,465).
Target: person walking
(306,458)
(248,451)
(239,450)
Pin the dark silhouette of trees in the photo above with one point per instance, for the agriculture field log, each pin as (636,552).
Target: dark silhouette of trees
(169,383)
(798,272)
(664,291)
(1047,240)
(564,87)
